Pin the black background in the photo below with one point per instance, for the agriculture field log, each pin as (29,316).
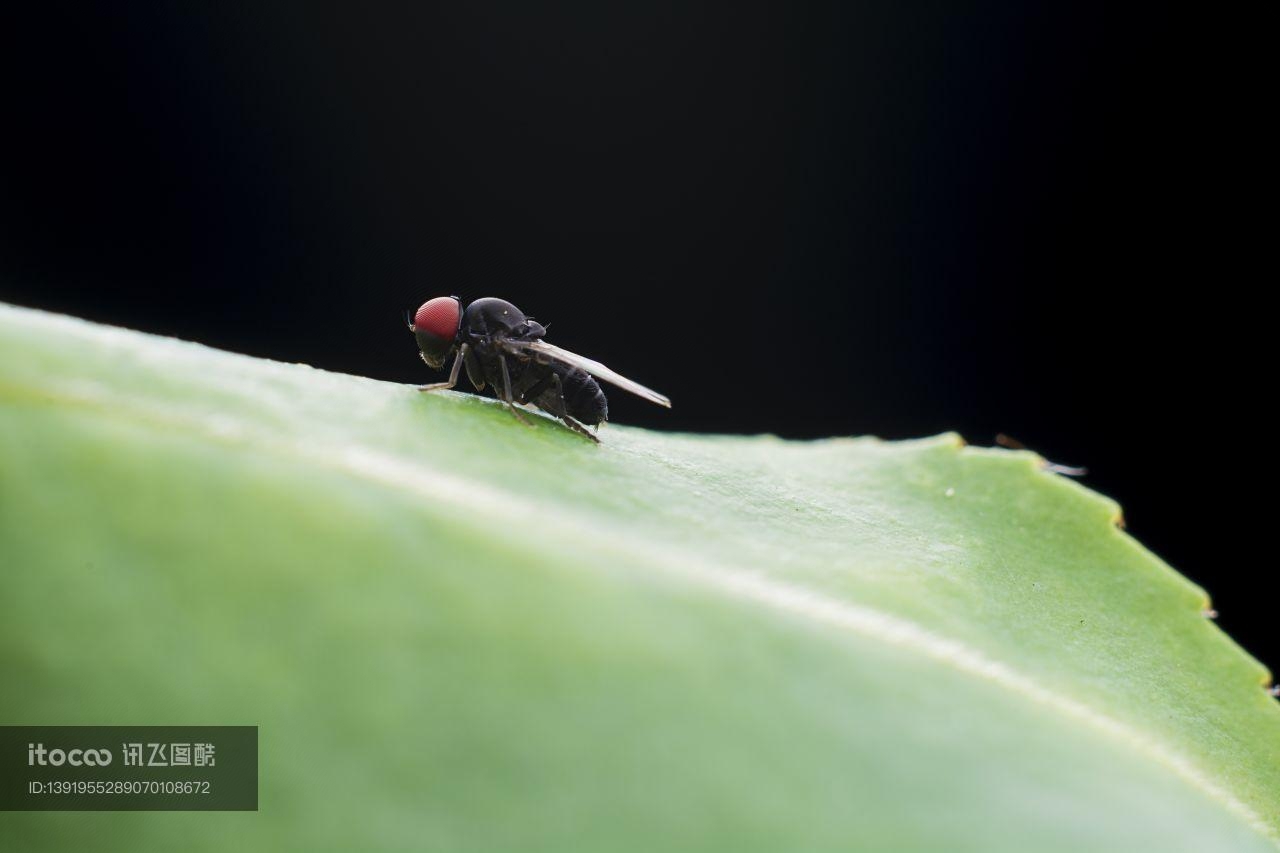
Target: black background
(808,219)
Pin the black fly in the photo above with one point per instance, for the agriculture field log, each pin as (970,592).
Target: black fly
(502,347)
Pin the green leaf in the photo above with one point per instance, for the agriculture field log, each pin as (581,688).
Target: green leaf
(459,633)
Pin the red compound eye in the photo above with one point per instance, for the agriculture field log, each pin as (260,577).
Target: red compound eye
(438,317)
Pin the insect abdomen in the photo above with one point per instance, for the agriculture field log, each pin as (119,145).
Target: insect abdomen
(583,398)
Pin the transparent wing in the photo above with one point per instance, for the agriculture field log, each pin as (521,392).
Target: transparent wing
(545,350)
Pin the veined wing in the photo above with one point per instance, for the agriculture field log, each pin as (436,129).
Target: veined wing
(595,368)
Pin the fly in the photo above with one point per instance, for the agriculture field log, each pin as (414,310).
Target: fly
(503,348)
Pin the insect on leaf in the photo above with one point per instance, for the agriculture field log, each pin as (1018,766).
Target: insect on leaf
(455,632)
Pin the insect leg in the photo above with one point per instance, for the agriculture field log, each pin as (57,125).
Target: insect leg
(453,374)
(474,372)
(533,392)
(579,428)
(506,389)
(564,410)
